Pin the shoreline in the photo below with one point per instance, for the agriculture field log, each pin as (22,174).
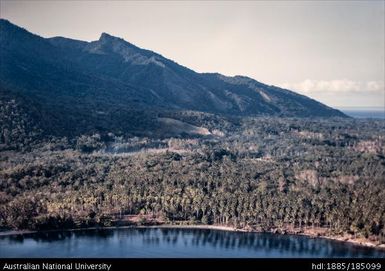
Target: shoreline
(311,233)
(306,232)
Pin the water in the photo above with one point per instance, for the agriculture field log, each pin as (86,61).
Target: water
(175,243)
(365,113)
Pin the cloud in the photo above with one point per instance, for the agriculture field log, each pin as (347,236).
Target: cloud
(340,85)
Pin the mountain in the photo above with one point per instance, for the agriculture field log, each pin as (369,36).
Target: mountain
(76,86)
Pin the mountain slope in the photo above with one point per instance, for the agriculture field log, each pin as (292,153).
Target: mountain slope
(183,88)
(110,84)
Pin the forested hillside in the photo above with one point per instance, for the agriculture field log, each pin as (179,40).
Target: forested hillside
(256,173)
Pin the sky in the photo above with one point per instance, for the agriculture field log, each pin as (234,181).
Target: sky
(332,51)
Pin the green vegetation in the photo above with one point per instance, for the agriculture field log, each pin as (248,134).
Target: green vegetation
(256,173)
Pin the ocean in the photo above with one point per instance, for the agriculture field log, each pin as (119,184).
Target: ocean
(364,113)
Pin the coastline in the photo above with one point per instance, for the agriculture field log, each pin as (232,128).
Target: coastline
(311,233)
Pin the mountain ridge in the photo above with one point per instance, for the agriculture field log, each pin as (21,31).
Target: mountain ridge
(68,79)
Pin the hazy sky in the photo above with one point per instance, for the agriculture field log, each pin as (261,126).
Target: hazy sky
(331,51)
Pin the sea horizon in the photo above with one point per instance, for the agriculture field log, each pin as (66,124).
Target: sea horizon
(361,112)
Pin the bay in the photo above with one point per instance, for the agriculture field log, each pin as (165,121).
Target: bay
(175,243)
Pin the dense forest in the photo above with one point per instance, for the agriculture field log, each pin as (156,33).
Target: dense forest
(252,173)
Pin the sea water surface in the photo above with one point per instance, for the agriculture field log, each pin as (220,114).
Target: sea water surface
(364,112)
(175,243)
